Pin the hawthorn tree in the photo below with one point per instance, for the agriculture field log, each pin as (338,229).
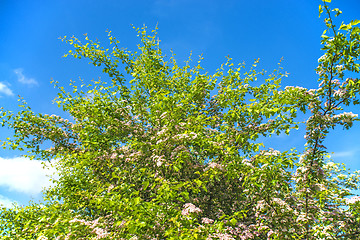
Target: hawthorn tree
(174,152)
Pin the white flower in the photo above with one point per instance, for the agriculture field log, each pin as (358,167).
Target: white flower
(347,117)
(207,220)
(335,81)
(302,218)
(353,200)
(260,205)
(270,233)
(110,188)
(340,67)
(163,115)
(159,160)
(311,92)
(280,201)
(162,132)
(247,162)
(322,58)
(190,208)
(215,165)
(340,92)
(321,83)
(194,135)
(272,152)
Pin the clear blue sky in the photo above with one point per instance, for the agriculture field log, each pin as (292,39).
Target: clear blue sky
(31,54)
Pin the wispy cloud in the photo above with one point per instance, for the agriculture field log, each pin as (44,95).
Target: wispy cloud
(23,175)
(4,89)
(6,202)
(344,154)
(23,79)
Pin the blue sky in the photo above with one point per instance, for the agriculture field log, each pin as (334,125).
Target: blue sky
(31,55)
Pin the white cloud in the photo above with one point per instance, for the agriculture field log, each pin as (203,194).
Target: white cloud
(344,154)
(6,202)
(5,89)
(23,175)
(23,79)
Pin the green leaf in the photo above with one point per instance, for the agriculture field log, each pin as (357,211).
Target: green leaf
(320,10)
(145,185)
(137,200)
(355,22)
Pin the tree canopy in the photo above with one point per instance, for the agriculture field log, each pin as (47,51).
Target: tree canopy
(168,151)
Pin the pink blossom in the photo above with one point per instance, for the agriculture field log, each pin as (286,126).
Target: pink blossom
(270,233)
(340,92)
(272,152)
(353,200)
(207,220)
(215,165)
(110,188)
(340,67)
(323,57)
(190,208)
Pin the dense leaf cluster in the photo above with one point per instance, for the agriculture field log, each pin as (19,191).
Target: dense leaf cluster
(164,151)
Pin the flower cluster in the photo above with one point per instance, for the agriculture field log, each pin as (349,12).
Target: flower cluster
(99,232)
(353,200)
(190,208)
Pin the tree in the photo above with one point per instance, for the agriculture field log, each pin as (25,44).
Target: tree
(163,157)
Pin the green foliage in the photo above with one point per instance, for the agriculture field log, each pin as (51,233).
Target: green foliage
(165,151)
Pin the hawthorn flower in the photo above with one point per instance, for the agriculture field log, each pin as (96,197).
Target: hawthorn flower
(110,188)
(207,220)
(340,67)
(260,205)
(221,236)
(319,71)
(191,135)
(280,201)
(190,208)
(100,233)
(322,58)
(270,233)
(194,135)
(161,140)
(247,162)
(224,236)
(335,81)
(330,165)
(272,152)
(321,83)
(311,92)
(295,88)
(162,131)
(347,117)
(353,200)
(159,160)
(163,115)
(215,165)
(340,92)
(302,217)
